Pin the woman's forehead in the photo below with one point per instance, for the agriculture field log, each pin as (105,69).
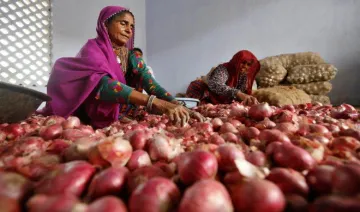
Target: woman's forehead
(124,16)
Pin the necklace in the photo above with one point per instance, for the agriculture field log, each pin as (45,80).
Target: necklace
(122,56)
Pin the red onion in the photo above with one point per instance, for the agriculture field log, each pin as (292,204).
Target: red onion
(157,194)
(265,124)
(257,196)
(260,111)
(71,177)
(290,156)
(290,108)
(139,158)
(206,196)
(79,149)
(86,129)
(9,204)
(51,132)
(249,133)
(237,111)
(138,139)
(228,127)
(30,145)
(197,165)
(230,137)
(217,123)
(235,123)
(108,204)
(162,147)
(204,127)
(336,203)
(257,158)
(351,132)
(226,155)
(287,128)
(168,168)
(289,181)
(319,179)
(56,202)
(273,135)
(110,181)
(296,203)
(14,131)
(346,180)
(53,120)
(74,134)
(142,175)
(286,116)
(71,122)
(111,151)
(58,146)
(14,186)
(343,143)
(216,139)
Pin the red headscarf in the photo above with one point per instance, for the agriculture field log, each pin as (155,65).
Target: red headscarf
(234,69)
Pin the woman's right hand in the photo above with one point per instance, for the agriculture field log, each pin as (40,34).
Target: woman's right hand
(177,114)
(247,99)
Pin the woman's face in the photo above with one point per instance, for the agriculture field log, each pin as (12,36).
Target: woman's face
(245,65)
(120,29)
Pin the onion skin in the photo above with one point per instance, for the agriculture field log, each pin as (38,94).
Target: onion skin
(108,204)
(56,202)
(110,181)
(142,175)
(257,195)
(111,151)
(197,165)
(9,205)
(51,132)
(289,181)
(156,195)
(296,203)
(71,177)
(269,136)
(257,158)
(71,122)
(14,186)
(335,203)
(290,156)
(206,196)
(319,179)
(346,180)
(260,111)
(139,158)
(226,155)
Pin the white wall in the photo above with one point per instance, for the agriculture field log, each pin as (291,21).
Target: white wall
(186,38)
(74,22)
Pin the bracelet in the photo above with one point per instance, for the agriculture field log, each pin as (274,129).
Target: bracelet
(150,103)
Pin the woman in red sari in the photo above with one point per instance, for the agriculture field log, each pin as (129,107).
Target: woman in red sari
(228,81)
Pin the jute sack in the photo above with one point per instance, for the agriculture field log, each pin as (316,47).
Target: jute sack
(273,69)
(320,98)
(282,95)
(315,88)
(303,74)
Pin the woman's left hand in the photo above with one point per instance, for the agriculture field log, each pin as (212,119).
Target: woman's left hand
(193,114)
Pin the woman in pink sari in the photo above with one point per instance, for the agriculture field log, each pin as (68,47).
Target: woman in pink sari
(104,82)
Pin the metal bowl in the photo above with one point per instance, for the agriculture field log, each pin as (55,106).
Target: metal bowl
(18,103)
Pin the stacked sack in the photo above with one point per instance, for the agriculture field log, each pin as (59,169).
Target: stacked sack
(306,71)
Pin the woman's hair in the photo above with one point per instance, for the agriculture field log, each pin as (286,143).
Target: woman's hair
(138,49)
(109,20)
